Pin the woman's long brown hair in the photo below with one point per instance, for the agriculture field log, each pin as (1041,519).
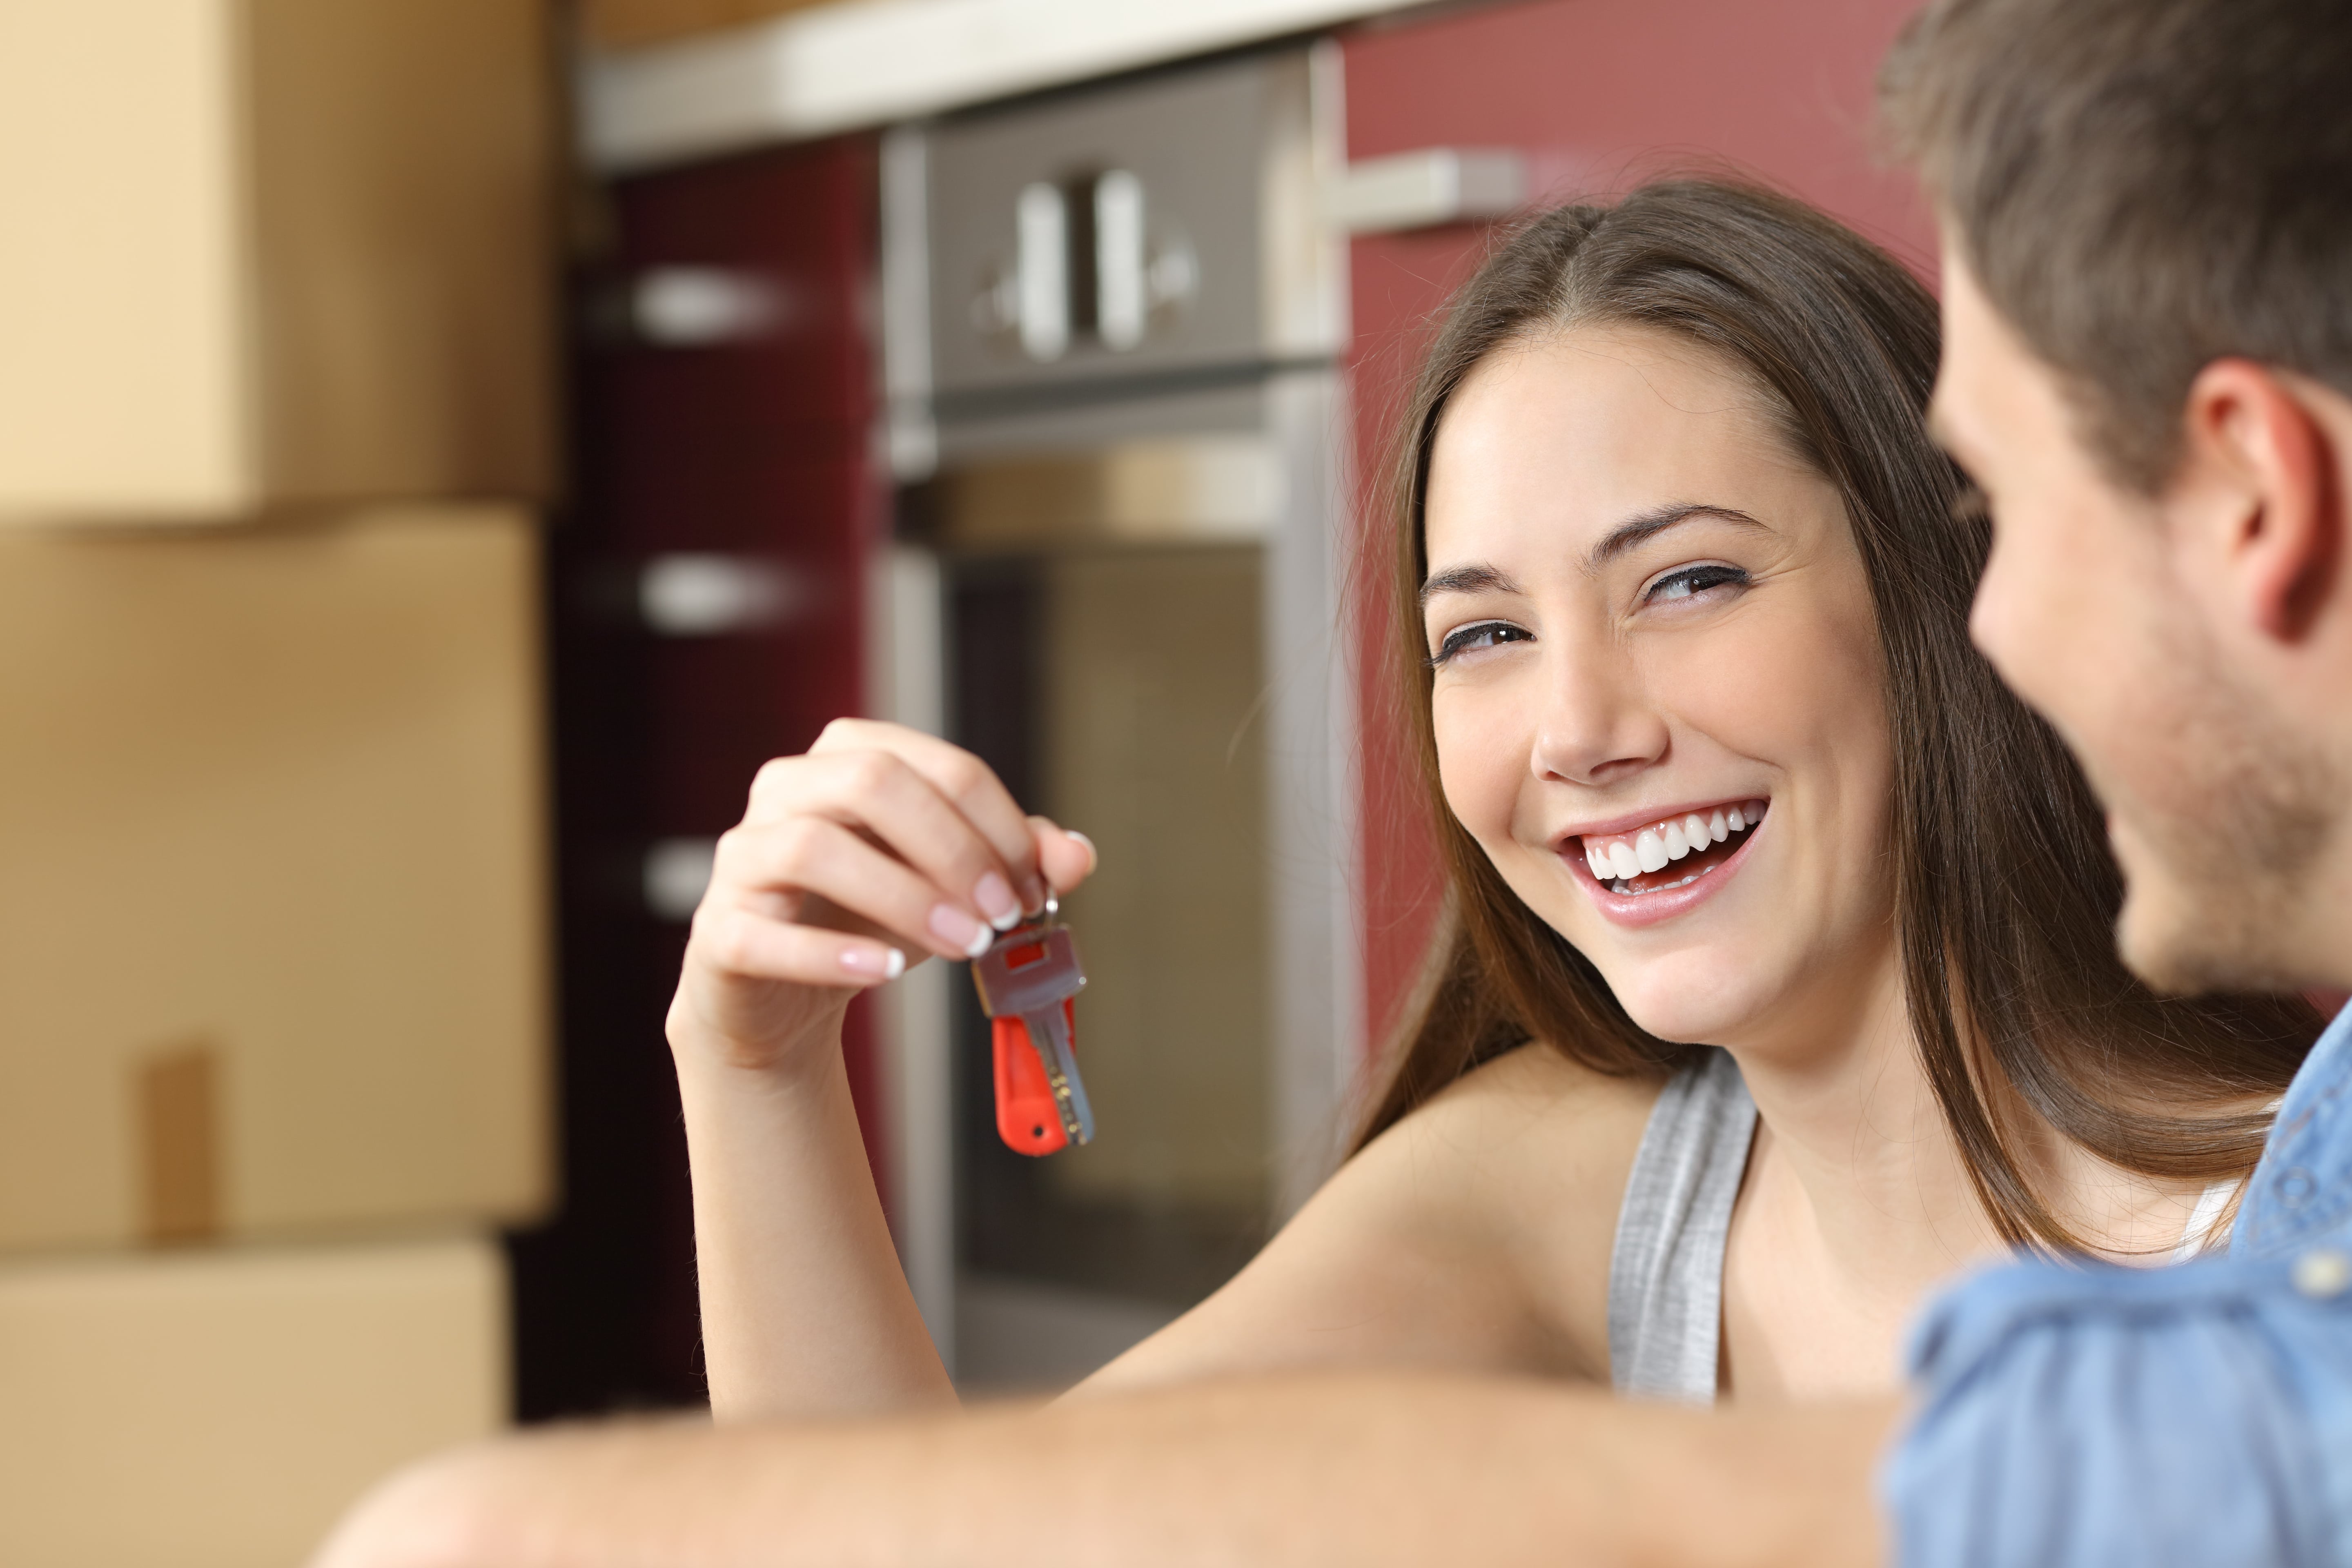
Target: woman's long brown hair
(2005,893)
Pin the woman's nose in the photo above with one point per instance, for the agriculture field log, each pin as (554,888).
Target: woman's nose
(1595,726)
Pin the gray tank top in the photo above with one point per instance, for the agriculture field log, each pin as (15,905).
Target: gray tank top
(1665,1271)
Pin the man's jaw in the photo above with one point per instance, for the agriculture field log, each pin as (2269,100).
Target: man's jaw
(2199,919)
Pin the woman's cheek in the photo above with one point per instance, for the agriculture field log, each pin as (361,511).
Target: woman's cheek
(1479,764)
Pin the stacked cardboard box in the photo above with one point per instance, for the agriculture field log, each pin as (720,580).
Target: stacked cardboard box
(274,427)
(271,254)
(272,949)
(220,1409)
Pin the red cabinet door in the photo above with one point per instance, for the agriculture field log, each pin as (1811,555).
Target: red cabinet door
(1596,95)
(749,447)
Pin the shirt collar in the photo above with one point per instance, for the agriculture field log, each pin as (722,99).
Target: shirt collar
(2303,1185)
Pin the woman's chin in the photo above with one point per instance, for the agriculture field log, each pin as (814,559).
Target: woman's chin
(1671,1006)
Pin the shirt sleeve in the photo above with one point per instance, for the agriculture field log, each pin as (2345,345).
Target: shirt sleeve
(2070,1416)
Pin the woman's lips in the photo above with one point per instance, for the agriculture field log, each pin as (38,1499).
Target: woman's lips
(1644,876)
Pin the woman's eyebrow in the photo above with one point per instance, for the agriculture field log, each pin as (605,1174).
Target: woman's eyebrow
(1471,579)
(1634,530)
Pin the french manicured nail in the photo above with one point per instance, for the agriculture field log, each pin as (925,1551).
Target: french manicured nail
(994,896)
(868,965)
(1094,856)
(959,930)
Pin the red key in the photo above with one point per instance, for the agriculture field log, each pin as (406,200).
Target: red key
(1026,1116)
(1027,984)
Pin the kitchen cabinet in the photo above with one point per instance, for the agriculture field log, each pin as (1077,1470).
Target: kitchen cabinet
(270,256)
(709,613)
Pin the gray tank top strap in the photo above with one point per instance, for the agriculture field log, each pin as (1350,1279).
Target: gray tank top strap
(1665,1272)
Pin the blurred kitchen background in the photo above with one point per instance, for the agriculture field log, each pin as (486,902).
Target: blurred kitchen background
(445,446)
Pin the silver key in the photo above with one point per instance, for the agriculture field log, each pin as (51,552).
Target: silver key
(1028,974)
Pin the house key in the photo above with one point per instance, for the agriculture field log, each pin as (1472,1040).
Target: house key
(1027,982)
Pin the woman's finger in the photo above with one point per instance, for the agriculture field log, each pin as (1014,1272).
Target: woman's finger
(879,795)
(1065,856)
(811,855)
(745,943)
(963,781)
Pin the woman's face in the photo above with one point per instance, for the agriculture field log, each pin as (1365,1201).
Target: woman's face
(1659,698)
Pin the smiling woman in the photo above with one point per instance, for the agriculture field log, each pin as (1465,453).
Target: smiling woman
(1777,985)
(1714,764)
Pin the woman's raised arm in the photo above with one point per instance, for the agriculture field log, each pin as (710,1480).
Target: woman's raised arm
(878,847)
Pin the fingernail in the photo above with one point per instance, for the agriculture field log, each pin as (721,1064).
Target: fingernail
(888,965)
(1094,856)
(959,930)
(994,896)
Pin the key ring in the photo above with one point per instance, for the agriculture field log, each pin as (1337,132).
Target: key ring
(1031,927)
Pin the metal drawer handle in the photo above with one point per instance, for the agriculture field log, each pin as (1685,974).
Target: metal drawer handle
(1085,265)
(689,596)
(698,307)
(1041,272)
(1425,189)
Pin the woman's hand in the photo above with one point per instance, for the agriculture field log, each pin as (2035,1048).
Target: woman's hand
(879,846)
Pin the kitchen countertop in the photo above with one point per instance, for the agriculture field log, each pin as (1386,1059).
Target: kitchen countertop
(870,62)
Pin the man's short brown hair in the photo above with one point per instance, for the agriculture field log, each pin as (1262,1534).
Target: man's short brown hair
(2141,187)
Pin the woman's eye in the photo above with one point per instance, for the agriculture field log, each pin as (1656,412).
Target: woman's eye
(1691,581)
(1470,639)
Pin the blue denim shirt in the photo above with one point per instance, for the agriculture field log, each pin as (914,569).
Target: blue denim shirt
(2199,1415)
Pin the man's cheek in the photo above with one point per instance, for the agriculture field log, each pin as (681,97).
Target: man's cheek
(2009,624)
(2124,734)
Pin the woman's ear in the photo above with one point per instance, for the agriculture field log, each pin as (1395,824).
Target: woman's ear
(2261,469)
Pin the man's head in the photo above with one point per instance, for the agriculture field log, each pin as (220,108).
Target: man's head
(2147,302)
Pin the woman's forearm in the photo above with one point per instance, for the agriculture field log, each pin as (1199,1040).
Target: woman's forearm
(805,1311)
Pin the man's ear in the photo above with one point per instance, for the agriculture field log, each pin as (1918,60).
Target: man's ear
(2258,455)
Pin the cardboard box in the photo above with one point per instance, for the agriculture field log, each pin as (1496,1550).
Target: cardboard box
(634,24)
(270,254)
(221,1409)
(274,920)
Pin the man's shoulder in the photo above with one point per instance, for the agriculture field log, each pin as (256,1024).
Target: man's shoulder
(2186,1415)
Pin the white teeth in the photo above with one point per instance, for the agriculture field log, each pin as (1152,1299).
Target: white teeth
(1650,852)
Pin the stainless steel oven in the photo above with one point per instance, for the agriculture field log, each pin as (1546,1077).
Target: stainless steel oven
(1110,322)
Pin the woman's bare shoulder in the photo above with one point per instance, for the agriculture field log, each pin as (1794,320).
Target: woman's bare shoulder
(1474,1234)
(1528,1149)
(1516,1171)
(1535,1102)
